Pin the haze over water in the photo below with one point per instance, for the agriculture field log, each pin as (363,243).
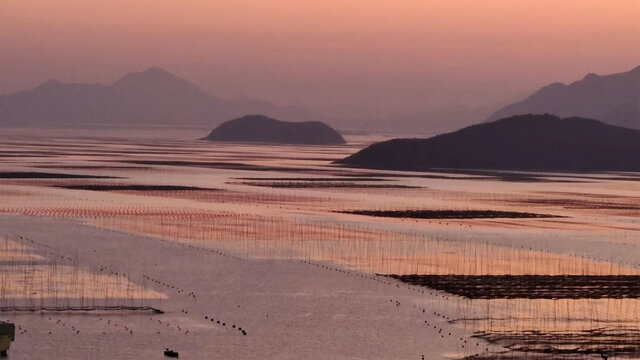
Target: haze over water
(352,59)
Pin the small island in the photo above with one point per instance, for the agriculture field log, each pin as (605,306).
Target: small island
(523,142)
(263,129)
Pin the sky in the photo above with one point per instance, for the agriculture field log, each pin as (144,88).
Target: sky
(342,58)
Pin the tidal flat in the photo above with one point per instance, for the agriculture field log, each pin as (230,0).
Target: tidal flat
(119,249)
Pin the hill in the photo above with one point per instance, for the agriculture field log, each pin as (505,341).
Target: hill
(613,99)
(150,97)
(259,128)
(524,142)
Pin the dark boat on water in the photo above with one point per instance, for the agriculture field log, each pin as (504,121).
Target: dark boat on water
(7,335)
(170,353)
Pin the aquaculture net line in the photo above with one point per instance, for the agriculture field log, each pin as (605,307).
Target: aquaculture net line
(79,308)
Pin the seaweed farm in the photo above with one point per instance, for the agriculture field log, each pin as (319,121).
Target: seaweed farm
(531,286)
(122,249)
(449,214)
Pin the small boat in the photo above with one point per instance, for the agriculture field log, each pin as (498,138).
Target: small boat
(7,335)
(170,353)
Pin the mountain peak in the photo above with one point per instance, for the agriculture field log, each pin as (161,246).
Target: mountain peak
(50,83)
(162,88)
(552,87)
(150,96)
(591,76)
(153,69)
(153,74)
(611,98)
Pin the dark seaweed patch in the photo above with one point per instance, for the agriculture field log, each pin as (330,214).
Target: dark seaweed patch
(582,204)
(42,175)
(449,214)
(91,167)
(340,171)
(598,343)
(323,185)
(110,187)
(216,165)
(531,286)
(349,179)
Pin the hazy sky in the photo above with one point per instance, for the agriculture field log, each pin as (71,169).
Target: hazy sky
(339,57)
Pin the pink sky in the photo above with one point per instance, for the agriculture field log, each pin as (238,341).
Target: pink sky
(342,57)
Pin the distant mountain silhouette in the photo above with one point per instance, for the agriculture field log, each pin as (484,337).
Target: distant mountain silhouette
(150,97)
(431,121)
(523,142)
(259,128)
(613,99)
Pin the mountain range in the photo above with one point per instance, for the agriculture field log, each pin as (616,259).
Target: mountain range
(150,97)
(155,97)
(613,99)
